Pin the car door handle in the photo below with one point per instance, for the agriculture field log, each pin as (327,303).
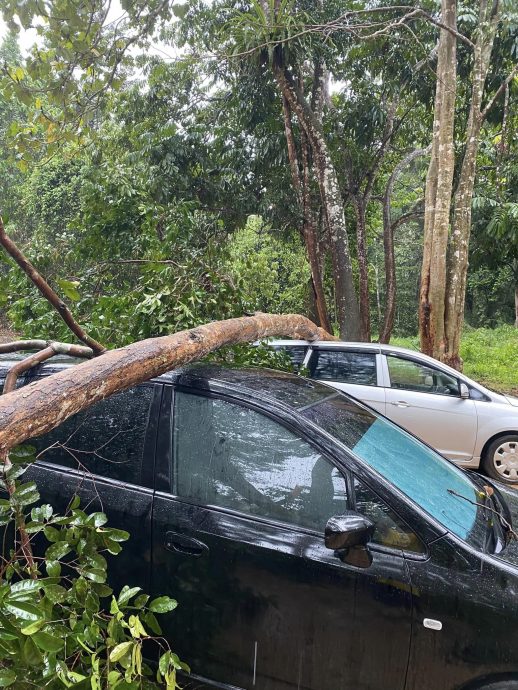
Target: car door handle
(400,403)
(186,545)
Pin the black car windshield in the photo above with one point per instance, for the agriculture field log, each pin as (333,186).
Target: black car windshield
(441,489)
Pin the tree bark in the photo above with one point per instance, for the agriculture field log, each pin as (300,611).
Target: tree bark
(363,266)
(301,180)
(438,193)
(41,406)
(309,229)
(346,301)
(489,13)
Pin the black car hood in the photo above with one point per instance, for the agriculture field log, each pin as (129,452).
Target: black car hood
(510,497)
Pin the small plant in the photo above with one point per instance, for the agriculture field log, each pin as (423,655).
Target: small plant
(61,626)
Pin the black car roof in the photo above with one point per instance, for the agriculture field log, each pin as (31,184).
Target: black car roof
(284,387)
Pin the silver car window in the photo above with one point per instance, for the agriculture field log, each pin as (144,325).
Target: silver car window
(405,374)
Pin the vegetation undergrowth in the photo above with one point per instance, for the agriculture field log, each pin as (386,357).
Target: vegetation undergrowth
(490,356)
(61,625)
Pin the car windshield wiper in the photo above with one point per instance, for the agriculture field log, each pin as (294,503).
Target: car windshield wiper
(497,514)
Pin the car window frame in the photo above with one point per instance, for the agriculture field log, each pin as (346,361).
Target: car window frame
(165,455)
(147,473)
(312,354)
(416,360)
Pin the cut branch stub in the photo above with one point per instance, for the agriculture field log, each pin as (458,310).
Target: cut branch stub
(41,406)
(47,292)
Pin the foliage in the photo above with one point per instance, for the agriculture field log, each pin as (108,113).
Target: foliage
(61,624)
(273,268)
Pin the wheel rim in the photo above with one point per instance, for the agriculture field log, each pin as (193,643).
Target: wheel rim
(505,461)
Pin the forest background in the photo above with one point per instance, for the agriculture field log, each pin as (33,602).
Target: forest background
(168,164)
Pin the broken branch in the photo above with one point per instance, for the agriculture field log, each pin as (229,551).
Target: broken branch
(42,405)
(47,292)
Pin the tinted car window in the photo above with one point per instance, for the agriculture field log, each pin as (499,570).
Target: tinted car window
(344,367)
(390,530)
(234,457)
(107,439)
(295,353)
(414,376)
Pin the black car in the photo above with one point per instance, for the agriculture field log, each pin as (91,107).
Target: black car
(311,543)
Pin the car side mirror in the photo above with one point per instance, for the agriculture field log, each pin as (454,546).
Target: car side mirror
(348,535)
(464,391)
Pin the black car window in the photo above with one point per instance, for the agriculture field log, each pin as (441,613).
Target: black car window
(344,367)
(406,374)
(295,352)
(107,439)
(390,530)
(231,456)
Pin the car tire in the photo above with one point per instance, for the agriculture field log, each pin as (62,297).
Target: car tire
(500,685)
(500,460)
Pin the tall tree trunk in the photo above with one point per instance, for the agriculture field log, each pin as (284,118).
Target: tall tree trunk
(363,265)
(311,238)
(301,180)
(459,243)
(438,193)
(346,301)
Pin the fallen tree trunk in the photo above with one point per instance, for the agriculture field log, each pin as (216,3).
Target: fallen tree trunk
(41,406)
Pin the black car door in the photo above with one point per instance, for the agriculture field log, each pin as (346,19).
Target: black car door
(106,456)
(238,524)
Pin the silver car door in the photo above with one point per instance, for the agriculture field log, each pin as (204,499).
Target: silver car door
(427,402)
(355,371)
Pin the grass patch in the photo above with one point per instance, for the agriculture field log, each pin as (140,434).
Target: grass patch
(490,356)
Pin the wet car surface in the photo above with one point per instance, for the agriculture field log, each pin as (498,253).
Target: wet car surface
(227,480)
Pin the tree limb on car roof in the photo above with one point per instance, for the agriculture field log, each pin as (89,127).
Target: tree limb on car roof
(41,406)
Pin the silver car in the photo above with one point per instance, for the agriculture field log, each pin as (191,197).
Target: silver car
(462,419)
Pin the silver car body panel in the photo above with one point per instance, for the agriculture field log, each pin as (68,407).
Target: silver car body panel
(458,428)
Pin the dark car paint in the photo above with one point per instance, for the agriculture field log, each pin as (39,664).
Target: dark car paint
(266,596)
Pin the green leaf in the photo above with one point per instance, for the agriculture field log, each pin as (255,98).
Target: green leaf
(94,574)
(33,627)
(120,650)
(24,586)
(53,568)
(42,513)
(56,593)
(57,551)
(22,454)
(126,594)
(24,610)
(162,605)
(47,642)
(98,519)
(69,287)
(141,601)
(31,653)
(151,622)
(7,677)
(116,534)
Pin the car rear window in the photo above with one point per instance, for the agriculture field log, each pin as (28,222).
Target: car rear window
(105,440)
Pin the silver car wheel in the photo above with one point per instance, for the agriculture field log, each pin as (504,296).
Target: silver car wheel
(505,460)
